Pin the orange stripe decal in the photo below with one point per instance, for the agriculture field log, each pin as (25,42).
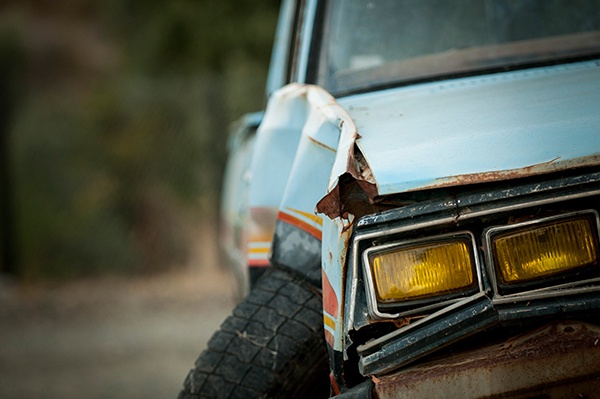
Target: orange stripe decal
(262,250)
(329,322)
(310,216)
(300,224)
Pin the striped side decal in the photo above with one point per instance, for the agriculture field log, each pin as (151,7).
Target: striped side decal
(258,253)
(329,325)
(310,223)
(261,229)
(330,310)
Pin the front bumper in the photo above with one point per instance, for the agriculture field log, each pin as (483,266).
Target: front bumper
(557,361)
(461,320)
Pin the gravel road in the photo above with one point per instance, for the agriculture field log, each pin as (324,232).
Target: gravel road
(109,338)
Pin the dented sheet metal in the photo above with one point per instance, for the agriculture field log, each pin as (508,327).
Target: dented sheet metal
(349,165)
(556,361)
(427,335)
(427,136)
(318,129)
(297,144)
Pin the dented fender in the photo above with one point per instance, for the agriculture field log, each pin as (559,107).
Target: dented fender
(303,133)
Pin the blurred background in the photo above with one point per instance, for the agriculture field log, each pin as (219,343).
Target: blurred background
(113,125)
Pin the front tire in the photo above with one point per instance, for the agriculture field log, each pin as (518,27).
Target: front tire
(272,346)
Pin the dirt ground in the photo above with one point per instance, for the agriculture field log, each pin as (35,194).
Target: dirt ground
(109,338)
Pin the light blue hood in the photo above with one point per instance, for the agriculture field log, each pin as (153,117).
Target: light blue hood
(480,129)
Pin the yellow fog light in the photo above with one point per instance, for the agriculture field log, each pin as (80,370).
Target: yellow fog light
(545,250)
(422,270)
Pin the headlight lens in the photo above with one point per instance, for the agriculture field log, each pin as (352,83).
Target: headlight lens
(422,270)
(546,250)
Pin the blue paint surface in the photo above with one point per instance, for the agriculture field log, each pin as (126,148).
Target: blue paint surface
(439,134)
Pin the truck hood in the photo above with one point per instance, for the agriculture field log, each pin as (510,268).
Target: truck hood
(478,129)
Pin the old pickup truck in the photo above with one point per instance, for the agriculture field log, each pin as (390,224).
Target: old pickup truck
(417,209)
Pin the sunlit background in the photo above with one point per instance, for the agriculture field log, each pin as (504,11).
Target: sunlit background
(113,124)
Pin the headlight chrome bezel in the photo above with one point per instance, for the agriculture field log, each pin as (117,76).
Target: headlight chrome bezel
(529,289)
(381,310)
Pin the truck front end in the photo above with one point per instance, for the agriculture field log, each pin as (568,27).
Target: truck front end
(460,228)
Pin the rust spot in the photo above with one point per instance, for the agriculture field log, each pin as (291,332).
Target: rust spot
(553,165)
(330,204)
(349,197)
(355,192)
(404,321)
(557,352)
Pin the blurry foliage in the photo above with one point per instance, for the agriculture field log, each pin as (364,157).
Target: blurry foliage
(183,35)
(118,141)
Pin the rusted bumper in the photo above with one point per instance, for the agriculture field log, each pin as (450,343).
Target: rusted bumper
(557,361)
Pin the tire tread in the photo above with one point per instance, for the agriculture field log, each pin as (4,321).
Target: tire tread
(271,346)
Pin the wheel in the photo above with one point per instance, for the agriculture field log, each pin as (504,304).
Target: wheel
(272,346)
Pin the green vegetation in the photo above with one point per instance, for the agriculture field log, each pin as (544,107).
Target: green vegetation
(115,140)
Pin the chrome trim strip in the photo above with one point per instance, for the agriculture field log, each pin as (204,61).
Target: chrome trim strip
(477,214)
(307,32)
(550,292)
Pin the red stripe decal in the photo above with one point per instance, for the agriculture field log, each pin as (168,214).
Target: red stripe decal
(329,338)
(334,384)
(330,302)
(258,262)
